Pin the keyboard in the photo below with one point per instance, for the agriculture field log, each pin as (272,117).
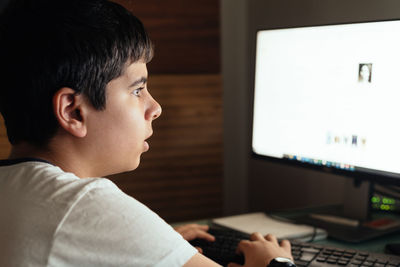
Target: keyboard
(223,251)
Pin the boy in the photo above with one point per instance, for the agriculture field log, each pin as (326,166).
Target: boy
(76,107)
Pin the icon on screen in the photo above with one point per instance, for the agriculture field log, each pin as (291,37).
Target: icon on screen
(329,138)
(363,141)
(354,140)
(365,72)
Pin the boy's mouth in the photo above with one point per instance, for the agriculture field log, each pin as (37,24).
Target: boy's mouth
(146,146)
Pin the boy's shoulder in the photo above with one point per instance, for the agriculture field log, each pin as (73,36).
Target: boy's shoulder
(76,221)
(37,187)
(36,177)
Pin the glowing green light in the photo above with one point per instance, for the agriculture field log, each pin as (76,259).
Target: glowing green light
(386,200)
(384,207)
(375,199)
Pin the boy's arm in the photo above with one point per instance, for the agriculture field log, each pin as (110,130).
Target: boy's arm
(200,260)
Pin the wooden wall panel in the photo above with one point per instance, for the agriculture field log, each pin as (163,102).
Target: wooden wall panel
(180,177)
(185,33)
(5,146)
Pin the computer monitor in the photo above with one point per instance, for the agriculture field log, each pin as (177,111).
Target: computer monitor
(328,97)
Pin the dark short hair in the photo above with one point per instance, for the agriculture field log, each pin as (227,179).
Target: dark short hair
(49,44)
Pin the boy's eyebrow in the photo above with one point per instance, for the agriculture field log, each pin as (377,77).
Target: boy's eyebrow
(139,81)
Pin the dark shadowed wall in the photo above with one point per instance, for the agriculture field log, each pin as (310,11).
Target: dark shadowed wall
(254,184)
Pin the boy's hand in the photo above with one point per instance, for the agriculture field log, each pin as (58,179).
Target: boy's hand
(259,250)
(192,231)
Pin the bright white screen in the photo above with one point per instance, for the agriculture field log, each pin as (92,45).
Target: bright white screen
(330,93)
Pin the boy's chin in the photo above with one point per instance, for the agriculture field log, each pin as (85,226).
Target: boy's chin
(130,167)
(134,165)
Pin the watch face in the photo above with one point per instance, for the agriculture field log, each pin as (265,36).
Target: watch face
(281,259)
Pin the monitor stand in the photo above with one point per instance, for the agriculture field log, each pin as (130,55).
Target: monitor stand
(353,222)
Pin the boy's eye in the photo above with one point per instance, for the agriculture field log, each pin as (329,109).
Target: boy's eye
(137,92)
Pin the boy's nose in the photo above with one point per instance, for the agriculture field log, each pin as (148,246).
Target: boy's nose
(157,110)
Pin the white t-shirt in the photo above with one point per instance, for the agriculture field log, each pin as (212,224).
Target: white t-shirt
(53,218)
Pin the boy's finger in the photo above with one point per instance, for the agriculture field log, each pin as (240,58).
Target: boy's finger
(271,238)
(286,244)
(204,235)
(243,244)
(203,227)
(256,236)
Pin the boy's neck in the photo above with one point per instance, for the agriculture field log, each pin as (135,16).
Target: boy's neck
(25,150)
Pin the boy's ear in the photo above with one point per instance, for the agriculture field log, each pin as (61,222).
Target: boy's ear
(69,109)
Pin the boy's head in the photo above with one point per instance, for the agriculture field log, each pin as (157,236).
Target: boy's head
(46,45)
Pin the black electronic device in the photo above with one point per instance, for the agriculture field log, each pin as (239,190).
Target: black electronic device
(393,248)
(326,98)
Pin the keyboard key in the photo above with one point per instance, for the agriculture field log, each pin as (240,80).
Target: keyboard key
(325,252)
(356,262)
(344,259)
(341,262)
(296,253)
(350,251)
(310,250)
(360,258)
(368,263)
(330,260)
(307,256)
(318,247)
(301,263)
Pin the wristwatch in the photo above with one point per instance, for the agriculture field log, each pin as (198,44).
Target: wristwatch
(281,262)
